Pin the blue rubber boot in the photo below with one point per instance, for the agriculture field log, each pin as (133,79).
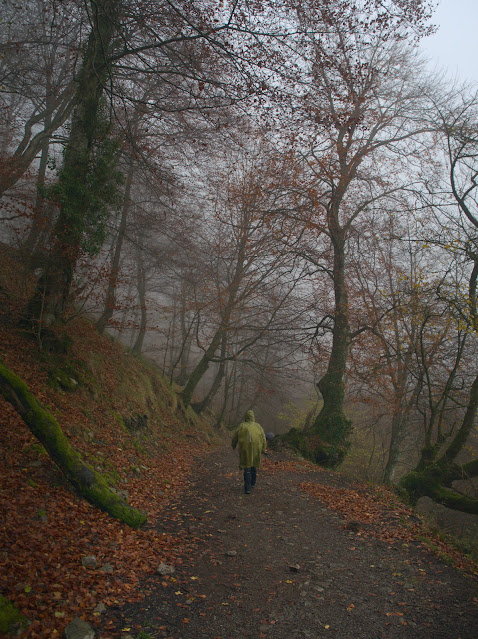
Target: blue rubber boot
(247,481)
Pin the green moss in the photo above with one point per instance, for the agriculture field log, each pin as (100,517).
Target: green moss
(32,483)
(10,618)
(296,439)
(312,446)
(427,482)
(63,380)
(118,418)
(138,446)
(421,483)
(192,416)
(333,430)
(326,443)
(38,449)
(456,501)
(44,426)
(67,374)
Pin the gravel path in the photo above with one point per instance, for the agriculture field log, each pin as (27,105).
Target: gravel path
(279,564)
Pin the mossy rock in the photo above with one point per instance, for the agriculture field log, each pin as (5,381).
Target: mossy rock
(64,381)
(11,620)
(69,375)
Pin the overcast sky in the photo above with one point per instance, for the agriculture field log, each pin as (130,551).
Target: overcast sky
(455,46)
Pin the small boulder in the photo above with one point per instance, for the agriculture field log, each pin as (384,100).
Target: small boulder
(164,569)
(78,629)
(107,568)
(467,487)
(100,608)
(89,562)
(231,553)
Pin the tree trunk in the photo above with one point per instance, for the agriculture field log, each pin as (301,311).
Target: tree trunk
(186,340)
(465,429)
(138,345)
(201,367)
(221,332)
(110,299)
(199,408)
(331,425)
(48,303)
(394,448)
(33,247)
(434,482)
(46,429)
(225,398)
(15,167)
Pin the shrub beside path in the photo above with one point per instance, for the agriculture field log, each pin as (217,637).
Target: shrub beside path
(308,554)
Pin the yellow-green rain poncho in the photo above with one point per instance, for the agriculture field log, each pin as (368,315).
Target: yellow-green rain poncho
(252,442)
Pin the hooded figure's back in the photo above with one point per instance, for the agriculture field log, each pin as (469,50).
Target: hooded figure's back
(251,439)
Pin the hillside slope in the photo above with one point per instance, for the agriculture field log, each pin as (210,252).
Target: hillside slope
(121,415)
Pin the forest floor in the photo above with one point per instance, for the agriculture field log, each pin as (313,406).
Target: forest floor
(307,554)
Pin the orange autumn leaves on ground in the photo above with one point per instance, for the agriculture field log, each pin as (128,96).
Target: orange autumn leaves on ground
(46,530)
(271,466)
(377,511)
(373,509)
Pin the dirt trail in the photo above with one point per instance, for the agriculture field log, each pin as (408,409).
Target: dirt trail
(279,564)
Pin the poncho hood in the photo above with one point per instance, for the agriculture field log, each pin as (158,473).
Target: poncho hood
(249,416)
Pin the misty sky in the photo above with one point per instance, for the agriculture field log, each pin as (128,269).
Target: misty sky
(455,46)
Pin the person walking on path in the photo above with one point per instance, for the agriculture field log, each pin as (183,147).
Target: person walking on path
(252,443)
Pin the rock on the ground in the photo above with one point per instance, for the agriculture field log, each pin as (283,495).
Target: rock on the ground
(107,568)
(101,608)
(78,629)
(468,487)
(89,562)
(164,569)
